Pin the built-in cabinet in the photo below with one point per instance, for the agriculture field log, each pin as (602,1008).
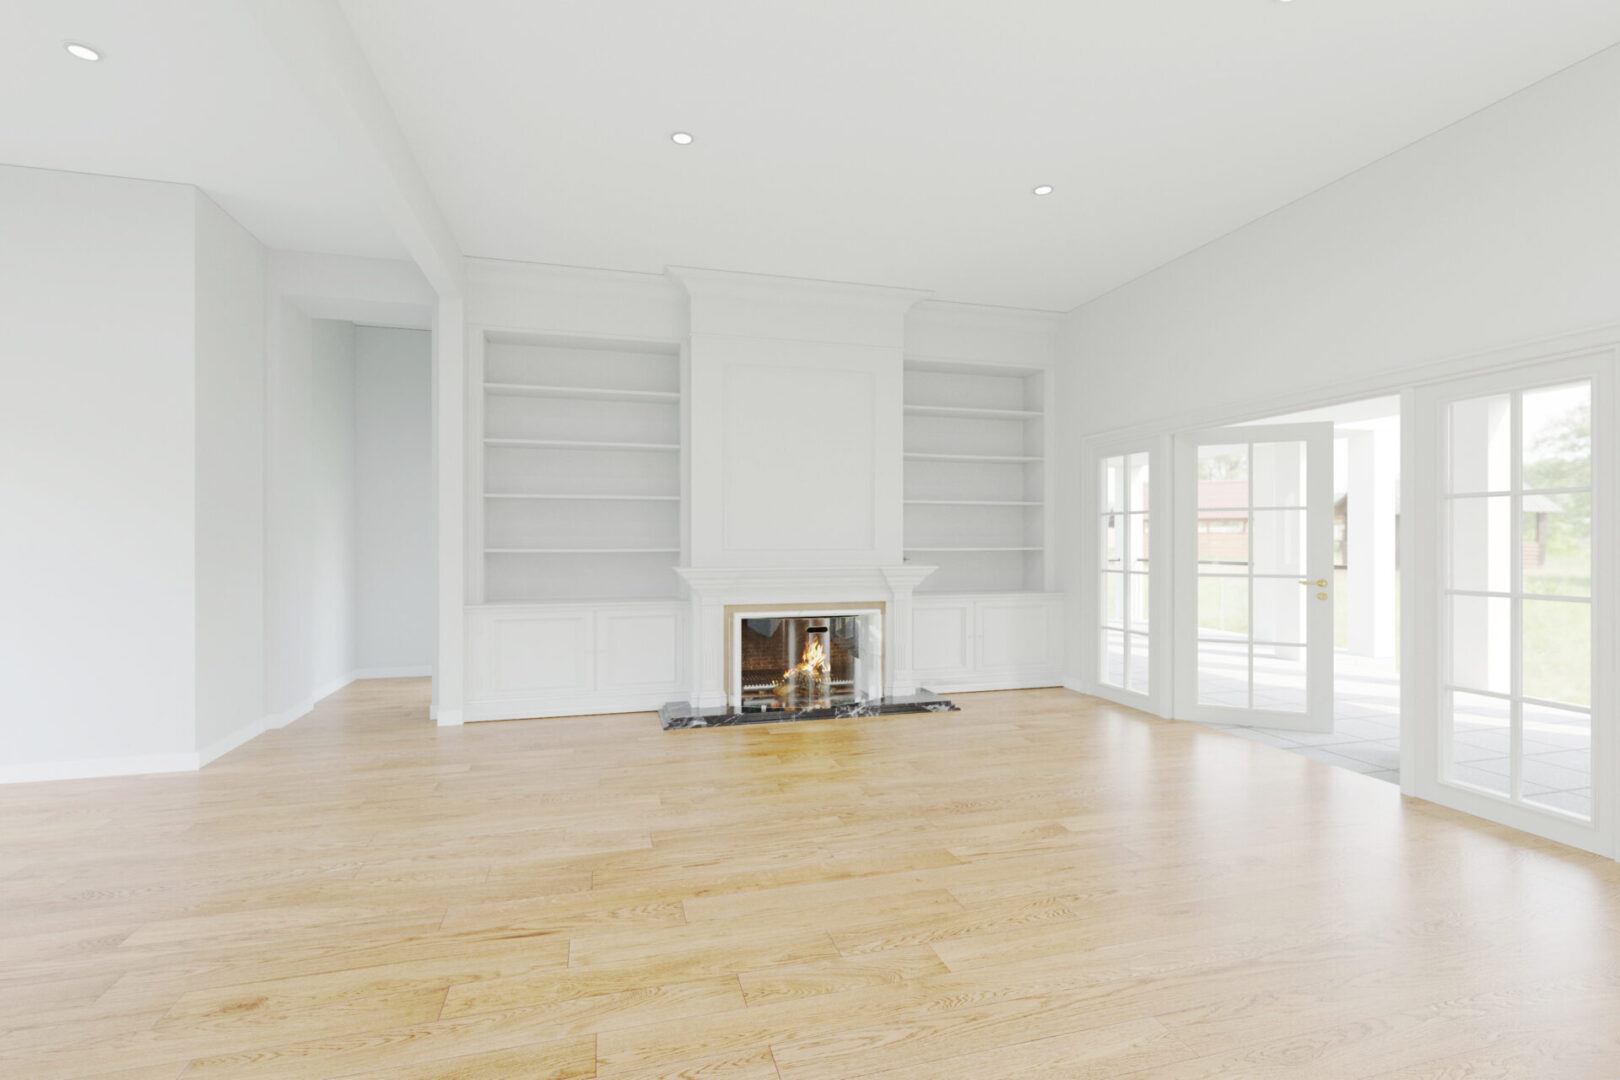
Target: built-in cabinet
(987,641)
(570,659)
(975,475)
(579,443)
(703,422)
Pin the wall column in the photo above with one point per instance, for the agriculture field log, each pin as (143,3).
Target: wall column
(449,456)
(1373,500)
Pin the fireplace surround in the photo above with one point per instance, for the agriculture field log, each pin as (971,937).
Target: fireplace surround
(770,645)
(791,658)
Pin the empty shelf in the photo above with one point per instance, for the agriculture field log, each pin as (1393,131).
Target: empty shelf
(967,413)
(993,459)
(576,444)
(592,393)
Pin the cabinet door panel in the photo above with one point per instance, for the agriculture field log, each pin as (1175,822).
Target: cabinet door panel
(1017,636)
(941,640)
(638,651)
(545,653)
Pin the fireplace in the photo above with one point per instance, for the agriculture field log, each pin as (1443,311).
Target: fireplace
(790,660)
(771,645)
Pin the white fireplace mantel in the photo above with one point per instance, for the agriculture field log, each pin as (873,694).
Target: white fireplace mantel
(713,589)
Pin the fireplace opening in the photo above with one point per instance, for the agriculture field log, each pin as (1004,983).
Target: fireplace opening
(793,662)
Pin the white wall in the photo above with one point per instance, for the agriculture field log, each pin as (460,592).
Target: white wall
(1500,230)
(312,621)
(393,468)
(131,437)
(289,689)
(230,425)
(96,469)
(331,503)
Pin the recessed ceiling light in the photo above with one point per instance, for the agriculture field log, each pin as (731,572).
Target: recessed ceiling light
(1043,189)
(682,138)
(80,51)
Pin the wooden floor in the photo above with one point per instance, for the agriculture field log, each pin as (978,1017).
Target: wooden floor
(1040,887)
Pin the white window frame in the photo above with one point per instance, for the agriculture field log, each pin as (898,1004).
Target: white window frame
(1426,671)
(1156,699)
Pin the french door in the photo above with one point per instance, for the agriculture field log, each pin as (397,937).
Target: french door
(1514,717)
(1254,576)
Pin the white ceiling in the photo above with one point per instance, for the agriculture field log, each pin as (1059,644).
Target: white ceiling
(188,91)
(896,141)
(886,141)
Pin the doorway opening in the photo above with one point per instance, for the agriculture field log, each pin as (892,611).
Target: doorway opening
(1365,589)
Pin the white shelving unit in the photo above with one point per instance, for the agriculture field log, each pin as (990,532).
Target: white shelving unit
(975,475)
(580,449)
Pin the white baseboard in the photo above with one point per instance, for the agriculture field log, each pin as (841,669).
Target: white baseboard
(1074,683)
(540,708)
(220,747)
(87,768)
(287,716)
(449,717)
(410,671)
(990,682)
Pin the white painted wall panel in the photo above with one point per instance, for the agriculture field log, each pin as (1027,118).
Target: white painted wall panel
(393,509)
(97,530)
(1497,231)
(230,475)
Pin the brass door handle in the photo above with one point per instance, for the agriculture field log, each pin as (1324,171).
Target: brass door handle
(1320,583)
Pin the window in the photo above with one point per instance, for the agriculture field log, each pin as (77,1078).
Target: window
(1516,599)
(1123,591)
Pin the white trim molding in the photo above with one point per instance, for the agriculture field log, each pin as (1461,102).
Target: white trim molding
(93,768)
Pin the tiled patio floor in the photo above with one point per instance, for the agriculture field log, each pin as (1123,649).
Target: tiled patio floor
(1366,738)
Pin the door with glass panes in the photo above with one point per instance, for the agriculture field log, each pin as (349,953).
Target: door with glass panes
(1124,660)
(1518,601)
(1254,576)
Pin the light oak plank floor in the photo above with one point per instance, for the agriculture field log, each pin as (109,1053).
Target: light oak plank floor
(1042,886)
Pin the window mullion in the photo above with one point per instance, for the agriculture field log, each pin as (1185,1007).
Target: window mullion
(1516,604)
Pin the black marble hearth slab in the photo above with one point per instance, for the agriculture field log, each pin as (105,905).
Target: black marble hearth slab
(681,714)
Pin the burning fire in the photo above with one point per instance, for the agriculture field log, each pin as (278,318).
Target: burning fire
(811,676)
(814,661)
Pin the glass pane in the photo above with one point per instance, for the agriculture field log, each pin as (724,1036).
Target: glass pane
(1557,539)
(1481,441)
(1113,483)
(1138,495)
(1113,555)
(1139,606)
(1223,541)
(1113,658)
(1481,556)
(1481,656)
(1279,610)
(1223,606)
(1279,678)
(1279,474)
(1223,476)
(1223,673)
(1557,769)
(1480,742)
(1137,678)
(1137,528)
(1113,599)
(1557,650)
(1558,437)
(1279,542)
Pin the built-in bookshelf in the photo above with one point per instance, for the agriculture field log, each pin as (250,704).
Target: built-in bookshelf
(975,479)
(581,446)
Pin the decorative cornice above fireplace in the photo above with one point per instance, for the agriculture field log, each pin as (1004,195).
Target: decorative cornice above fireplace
(763,585)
